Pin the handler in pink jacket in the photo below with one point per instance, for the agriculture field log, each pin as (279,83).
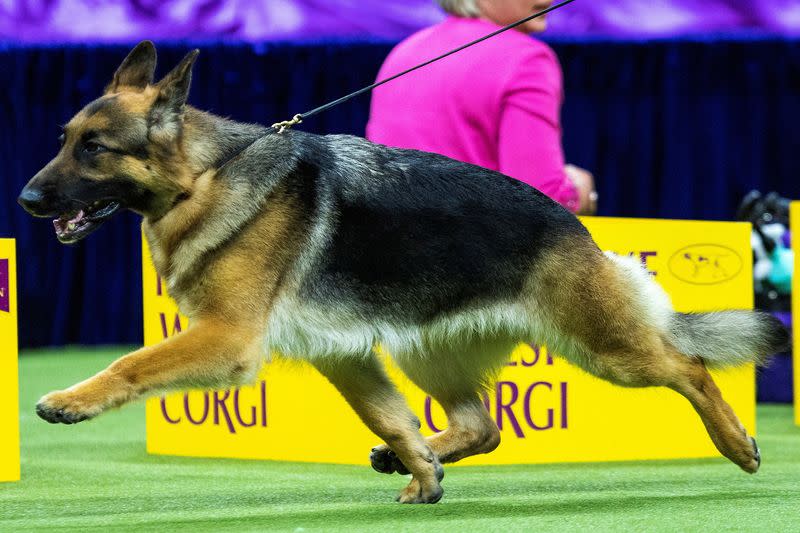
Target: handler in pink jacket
(495,104)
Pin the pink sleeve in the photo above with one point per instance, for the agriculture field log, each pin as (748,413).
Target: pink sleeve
(529,137)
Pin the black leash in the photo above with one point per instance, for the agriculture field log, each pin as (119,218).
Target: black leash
(298,118)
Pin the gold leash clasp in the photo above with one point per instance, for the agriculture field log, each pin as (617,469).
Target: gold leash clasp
(286,124)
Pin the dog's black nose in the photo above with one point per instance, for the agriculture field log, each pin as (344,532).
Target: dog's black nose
(31,199)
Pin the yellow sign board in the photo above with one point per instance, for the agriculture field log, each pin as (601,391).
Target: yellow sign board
(794,226)
(9,384)
(547,410)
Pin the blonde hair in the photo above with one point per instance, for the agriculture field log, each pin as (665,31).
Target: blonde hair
(462,8)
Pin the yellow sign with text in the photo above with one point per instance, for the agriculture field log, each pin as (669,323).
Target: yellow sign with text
(9,381)
(547,410)
(794,227)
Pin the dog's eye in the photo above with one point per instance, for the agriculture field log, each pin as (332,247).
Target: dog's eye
(93,147)
(61,139)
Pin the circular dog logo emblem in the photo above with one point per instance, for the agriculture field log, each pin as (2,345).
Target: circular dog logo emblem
(705,264)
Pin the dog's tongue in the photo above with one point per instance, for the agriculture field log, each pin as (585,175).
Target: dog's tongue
(64,224)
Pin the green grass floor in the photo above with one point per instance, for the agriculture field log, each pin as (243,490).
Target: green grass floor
(98,475)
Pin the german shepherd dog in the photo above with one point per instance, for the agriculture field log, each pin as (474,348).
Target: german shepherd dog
(322,247)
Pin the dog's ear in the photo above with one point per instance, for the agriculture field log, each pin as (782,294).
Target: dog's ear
(166,115)
(136,70)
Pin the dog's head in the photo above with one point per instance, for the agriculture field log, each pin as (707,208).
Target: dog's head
(123,150)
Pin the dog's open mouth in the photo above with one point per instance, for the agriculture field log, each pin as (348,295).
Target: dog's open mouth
(74,226)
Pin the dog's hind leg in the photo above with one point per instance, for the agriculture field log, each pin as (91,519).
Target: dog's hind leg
(650,362)
(611,319)
(691,379)
(454,377)
(371,394)
(470,431)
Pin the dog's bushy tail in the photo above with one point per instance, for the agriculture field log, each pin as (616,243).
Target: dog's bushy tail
(728,338)
(721,338)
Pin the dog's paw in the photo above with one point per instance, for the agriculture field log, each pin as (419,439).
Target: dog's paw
(752,460)
(757,453)
(65,407)
(385,461)
(415,493)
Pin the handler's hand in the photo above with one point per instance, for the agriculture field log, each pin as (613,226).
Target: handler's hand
(584,183)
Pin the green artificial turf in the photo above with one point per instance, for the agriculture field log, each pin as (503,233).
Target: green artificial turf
(98,475)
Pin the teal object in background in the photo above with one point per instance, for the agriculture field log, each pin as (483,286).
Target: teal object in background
(782,265)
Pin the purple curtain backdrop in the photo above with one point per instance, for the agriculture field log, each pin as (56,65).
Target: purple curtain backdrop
(257,20)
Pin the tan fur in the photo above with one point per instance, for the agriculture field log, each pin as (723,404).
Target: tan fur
(227,299)
(383,409)
(227,293)
(604,332)
(137,102)
(212,352)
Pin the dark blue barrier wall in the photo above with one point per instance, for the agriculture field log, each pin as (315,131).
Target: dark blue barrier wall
(678,129)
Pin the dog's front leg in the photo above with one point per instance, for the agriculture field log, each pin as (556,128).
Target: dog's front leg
(209,353)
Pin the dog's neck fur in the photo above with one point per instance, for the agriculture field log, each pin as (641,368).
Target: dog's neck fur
(208,142)
(211,141)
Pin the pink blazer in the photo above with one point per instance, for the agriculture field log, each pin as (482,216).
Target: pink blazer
(495,104)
